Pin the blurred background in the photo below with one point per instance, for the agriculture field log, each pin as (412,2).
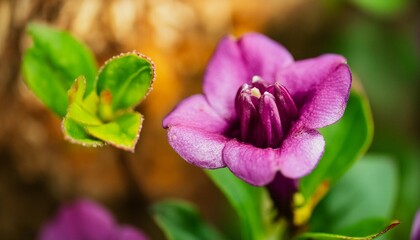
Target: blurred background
(39,170)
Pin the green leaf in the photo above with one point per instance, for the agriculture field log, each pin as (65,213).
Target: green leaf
(329,236)
(386,60)
(382,8)
(77,91)
(76,133)
(368,227)
(80,110)
(368,190)
(52,64)
(346,141)
(123,132)
(249,202)
(124,81)
(409,195)
(181,221)
(79,115)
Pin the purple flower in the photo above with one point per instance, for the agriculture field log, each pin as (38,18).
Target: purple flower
(415,230)
(260,110)
(85,220)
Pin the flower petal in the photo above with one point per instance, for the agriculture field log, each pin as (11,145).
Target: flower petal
(415,229)
(224,75)
(82,219)
(198,147)
(256,166)
(195,112)
(300,152)
(320,88)
(235,62)
(195,131)
(263,57)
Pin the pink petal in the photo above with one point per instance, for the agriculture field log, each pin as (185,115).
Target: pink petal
(263,57)
(82,219)
(415,229)
(198,147)
(300,152)
(225,73)
(256,166)
(195,112)
(235,62)
(195,131)
(320,88)
(298,155)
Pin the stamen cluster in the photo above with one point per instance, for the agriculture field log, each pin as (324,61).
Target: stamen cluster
(265,113)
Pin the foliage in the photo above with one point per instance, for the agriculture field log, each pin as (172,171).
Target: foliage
(96,109)
(181,221)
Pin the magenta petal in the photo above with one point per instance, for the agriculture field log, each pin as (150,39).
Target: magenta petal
(271,128)
(415,229)
(320,87)
(195,112)
(225,73)
(198,147)
(300,152)
(263,57)
(195,131)
(82,219)
(256,166)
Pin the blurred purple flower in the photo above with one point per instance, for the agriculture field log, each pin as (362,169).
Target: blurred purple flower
(415,230)
(260,110)
(85,220)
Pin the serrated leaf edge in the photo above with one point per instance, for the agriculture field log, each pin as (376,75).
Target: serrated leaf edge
(75,141)
(141,55)
(135,140)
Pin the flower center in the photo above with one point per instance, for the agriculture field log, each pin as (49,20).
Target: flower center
(265,112)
